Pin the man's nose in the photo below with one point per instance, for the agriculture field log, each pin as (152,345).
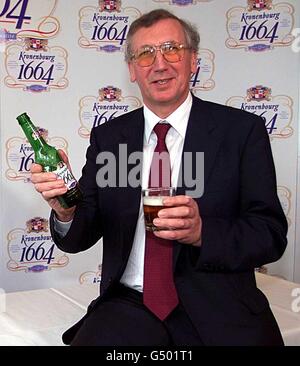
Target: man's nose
(160,62)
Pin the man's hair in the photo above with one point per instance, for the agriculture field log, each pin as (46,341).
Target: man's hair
(154,16)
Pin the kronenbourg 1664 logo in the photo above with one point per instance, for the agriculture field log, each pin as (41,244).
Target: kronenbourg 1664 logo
(182,2)
(260,26)
(91,277)
(35,67)
(285,198)
(202,79)
(108,104)
(24,18)
(277,111)
(104,27)
(20,155)
(32,249)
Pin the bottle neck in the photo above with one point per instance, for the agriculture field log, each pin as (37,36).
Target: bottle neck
(34,138)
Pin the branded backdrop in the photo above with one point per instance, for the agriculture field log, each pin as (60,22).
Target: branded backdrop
(62,62)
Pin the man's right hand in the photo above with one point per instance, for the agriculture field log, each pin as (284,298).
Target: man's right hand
(49,186)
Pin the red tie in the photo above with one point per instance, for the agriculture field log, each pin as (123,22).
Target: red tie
(159,293)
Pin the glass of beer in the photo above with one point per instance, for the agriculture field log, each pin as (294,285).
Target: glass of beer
(153,202)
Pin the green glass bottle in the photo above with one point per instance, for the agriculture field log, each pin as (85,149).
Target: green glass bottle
(47,156)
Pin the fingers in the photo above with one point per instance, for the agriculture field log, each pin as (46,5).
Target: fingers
(179,235)
(65,158)
(36,168)
(181,211)
(52,193)
(174,224)
(63,155)
(38,176)
(179,207)
(178,201)
(46,183)
(50,186)
(181,217)
(43,177)
(190,235)
(51,189)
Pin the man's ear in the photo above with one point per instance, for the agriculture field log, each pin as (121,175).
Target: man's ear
(194,62)
(131,72)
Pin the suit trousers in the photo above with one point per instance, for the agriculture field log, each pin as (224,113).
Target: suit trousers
(123,320)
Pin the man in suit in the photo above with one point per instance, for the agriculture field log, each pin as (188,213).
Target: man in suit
(217,238)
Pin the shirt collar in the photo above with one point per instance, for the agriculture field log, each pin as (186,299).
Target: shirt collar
(178,119)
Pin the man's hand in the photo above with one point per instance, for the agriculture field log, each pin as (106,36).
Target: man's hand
(181,215)
(49,186)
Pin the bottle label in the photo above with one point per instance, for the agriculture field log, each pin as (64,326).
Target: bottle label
(64,173)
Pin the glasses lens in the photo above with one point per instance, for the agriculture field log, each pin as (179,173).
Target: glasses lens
(172,52)
(145,56)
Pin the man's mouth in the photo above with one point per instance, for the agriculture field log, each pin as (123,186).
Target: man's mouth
(161,81)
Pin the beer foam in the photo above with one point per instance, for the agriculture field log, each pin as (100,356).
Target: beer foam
(153,200)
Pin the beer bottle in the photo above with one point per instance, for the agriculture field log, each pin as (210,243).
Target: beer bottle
(47,156)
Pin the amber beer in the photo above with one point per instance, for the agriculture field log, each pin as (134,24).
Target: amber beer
(152,205)
(153,202)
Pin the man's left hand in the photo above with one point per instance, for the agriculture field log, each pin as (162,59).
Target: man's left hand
(181,216)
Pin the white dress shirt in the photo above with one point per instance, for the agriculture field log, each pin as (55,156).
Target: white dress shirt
(134,271)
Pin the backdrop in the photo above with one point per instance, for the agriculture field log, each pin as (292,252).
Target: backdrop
(62,62)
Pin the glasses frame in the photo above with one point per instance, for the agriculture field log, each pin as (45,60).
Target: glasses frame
(181,46)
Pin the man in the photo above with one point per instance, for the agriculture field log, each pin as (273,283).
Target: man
(217,239)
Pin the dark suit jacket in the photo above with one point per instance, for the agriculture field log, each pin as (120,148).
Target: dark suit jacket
(244,226)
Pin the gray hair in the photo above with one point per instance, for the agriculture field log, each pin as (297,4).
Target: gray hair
(148,19)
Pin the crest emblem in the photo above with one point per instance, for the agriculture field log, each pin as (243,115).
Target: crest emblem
(36,225)
(258,93)
(110,94)
(110,5)
(36,44)
(42,132)
(259,4)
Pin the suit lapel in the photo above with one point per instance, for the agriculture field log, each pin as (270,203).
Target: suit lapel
(132,133)
(203,135)
(132,136)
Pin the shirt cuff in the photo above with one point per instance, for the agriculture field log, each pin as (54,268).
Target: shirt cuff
(61,227)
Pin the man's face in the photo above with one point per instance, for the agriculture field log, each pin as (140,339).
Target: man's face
(164,85)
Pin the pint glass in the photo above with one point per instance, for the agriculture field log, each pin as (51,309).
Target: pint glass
(153,202)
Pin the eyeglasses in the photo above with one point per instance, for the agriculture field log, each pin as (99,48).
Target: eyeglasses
(171,51)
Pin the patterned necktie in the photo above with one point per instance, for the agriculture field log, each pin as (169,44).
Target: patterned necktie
(159,293)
